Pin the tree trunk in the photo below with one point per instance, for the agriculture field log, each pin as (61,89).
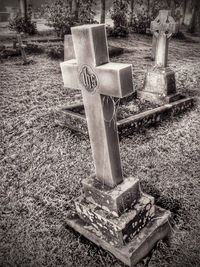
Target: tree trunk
(70,5)
(148,8)
(195,20)
(23,8)
(131,13)
(184,10)
(103,11)
(75,8)
(172,7)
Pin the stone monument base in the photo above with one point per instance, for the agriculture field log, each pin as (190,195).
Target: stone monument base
(138,247)
(159,86)
(159,98)
(123,219)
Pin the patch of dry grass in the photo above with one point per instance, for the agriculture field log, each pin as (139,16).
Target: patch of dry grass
(42,164)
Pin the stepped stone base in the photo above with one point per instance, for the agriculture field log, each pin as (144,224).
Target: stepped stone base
(117,230)
(132,229)
(159,86)
(159,98)
(137,247)
(116,200)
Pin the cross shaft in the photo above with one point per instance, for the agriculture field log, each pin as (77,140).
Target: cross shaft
(163,27)
(99,79)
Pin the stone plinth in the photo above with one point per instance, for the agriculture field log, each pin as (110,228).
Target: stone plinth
(160,86)
(116,200)
(138,247)
(117,230)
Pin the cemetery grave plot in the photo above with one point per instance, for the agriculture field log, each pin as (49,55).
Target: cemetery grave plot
(40,176)
(159,86)
(131,117)
(112,211)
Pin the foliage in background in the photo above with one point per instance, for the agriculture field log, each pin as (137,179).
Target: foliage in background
(23,24)
(140,23)
(143,12)
(55,51)
(61,17)
(86,12)
(119,15)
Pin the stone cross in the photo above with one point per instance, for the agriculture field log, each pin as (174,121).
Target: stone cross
(68,47)
(99,80)
(112,212)
(163,27)
(21,46)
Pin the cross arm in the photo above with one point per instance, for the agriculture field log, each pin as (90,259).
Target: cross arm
(164,22)
(115,79)
(165,27)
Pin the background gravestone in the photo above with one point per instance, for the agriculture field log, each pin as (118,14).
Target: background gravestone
(160,85)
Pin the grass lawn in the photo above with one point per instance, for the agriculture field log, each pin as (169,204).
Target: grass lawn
(42,163)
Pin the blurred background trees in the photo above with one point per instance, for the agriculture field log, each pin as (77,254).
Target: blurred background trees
(123,15)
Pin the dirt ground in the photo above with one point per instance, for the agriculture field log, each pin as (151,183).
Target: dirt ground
(42,163)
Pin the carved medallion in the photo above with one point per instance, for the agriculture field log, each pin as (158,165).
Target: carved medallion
(88,78)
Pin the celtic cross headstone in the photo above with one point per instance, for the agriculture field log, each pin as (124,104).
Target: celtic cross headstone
(163,27)
(112,209)
(160,84)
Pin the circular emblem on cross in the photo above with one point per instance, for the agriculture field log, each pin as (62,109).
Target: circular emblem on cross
(88,78)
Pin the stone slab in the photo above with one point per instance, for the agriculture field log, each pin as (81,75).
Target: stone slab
(115,200)
(158,98)
(77,122)
(131,253)
(160,81)
(117,230)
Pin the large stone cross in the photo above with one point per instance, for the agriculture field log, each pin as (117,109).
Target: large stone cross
(99,81)
(163,27)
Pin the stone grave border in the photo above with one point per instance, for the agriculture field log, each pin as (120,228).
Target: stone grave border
(77,122)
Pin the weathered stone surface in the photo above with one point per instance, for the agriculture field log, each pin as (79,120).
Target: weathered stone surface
(68,48)
(98,80)
(113,216)
(158,98)
(133,123)
(138,247)
(70,54)
(116,200)
(112,78)
(71,118)
(160,81)
(162,28)
(117,230)
(164,22)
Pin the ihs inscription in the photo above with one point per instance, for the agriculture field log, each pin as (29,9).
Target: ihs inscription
(88,78)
